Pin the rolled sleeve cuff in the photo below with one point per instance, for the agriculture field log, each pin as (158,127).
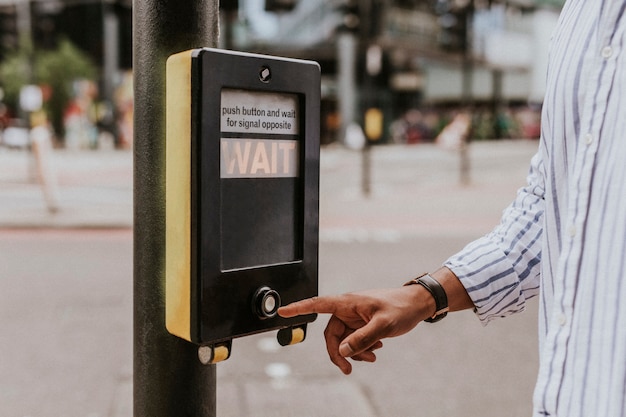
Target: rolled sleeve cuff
(489,279)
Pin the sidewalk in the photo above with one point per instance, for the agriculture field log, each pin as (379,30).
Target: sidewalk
(407,183)
(410,184)
(95,190)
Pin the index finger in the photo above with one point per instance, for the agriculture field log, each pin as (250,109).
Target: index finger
(324,305)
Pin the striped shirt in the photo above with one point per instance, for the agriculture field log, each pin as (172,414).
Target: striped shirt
(564,236)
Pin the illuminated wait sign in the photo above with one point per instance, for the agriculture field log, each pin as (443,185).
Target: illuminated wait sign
(259,158)
(260,134)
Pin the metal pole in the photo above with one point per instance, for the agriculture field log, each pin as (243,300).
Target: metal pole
(497,102)
(111,65)
(346,80)
(169,380)
(468,94)
(468,103)
(24,24)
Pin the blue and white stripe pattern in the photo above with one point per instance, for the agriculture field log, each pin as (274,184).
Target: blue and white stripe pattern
(564,236)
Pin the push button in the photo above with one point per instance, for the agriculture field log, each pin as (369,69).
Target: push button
(265,302)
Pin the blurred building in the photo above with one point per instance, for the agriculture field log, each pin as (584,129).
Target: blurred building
(411,56)
(413,61)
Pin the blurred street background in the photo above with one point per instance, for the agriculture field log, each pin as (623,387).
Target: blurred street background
(430,114)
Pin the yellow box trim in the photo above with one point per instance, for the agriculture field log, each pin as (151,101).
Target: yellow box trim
(178,195)
(297,335)
(220,354)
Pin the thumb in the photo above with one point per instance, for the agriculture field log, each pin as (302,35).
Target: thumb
(360,340)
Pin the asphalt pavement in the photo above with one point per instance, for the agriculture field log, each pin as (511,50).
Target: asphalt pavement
(66,291)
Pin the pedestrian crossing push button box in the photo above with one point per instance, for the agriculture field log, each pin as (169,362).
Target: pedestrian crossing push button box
(242,194)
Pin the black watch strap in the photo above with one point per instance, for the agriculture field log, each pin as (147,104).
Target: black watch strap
(438,293)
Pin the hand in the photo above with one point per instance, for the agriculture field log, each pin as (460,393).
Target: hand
(360,321)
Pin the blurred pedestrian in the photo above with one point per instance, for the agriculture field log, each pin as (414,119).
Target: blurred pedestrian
(563,238)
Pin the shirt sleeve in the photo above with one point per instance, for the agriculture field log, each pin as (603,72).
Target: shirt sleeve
(501,270)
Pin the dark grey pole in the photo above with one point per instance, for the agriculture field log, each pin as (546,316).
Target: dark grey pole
(168,377)
(467,98)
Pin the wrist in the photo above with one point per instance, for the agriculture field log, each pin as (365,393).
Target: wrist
(437,302)
(458,299)
(422,300)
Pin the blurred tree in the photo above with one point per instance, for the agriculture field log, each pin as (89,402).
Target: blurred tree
(15,72)
(57,69)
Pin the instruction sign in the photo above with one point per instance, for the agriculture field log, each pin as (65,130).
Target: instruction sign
(270,124)
(257,112)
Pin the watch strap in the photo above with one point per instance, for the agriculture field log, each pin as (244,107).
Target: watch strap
(438,293)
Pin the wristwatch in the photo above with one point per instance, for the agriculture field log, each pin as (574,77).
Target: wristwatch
(438,293)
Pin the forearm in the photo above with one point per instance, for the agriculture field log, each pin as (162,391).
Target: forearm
(458,299)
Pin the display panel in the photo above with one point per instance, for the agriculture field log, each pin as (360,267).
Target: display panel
(260,158)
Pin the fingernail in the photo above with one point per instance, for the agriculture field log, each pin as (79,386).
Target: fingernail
(345,350)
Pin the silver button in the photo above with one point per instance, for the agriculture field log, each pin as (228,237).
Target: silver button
(266,302)
(269,304)
(607,51)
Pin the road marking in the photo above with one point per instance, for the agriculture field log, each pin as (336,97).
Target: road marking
(360,235)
